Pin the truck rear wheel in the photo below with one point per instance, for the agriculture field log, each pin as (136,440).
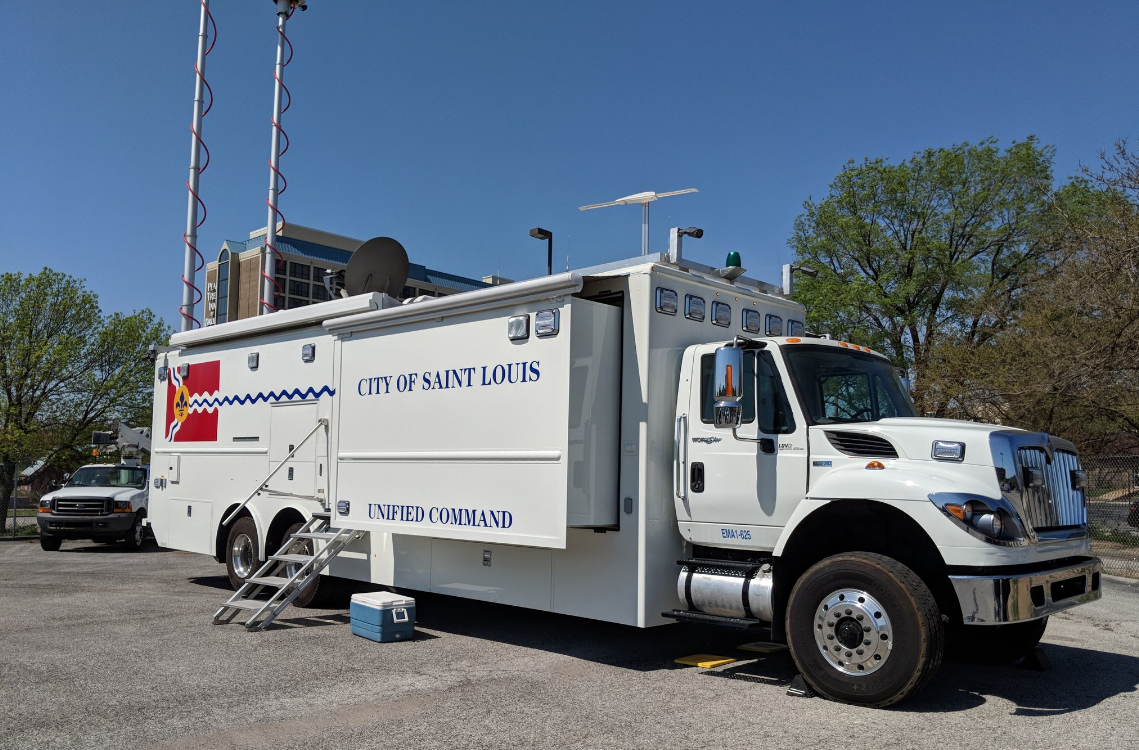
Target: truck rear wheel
(863,628)
(50,543)
(301,547)
(996,644)
(242,551)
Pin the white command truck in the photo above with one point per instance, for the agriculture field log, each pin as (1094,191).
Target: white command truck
(636,443)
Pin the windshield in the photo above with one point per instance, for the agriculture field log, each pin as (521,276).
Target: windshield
(839,385)
(109,476)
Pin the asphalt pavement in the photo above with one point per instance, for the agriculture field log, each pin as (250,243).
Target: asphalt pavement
(109,649)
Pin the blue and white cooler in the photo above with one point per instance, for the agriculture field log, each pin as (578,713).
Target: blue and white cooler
(383,617)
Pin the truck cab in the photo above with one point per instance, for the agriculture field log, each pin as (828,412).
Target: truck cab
(100,502)
(804,458)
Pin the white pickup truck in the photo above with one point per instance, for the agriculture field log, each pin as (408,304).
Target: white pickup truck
(100,502)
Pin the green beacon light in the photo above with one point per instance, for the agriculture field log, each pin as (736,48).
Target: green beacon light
(733,260)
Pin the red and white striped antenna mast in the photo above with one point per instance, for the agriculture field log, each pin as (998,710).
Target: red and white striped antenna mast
(269,253)
(193,262)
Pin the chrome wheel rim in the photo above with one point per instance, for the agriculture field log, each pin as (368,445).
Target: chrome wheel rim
(853,632)
(241,554)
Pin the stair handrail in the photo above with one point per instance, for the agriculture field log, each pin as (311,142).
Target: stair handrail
(322,422)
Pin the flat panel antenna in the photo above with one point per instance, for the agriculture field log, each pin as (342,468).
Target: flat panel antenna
(643,199)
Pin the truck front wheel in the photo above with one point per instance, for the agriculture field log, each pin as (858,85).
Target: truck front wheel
(50,543)
(863,628)
(136,536)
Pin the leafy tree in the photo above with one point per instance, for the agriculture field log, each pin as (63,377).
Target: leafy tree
(937,249)
(1070,364)
(66,368)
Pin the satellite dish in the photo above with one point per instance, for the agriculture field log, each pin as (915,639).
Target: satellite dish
(378,265)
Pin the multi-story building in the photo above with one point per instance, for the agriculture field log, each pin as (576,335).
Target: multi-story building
(233,281)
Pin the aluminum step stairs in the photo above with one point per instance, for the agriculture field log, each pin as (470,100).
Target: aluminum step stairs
(287,573)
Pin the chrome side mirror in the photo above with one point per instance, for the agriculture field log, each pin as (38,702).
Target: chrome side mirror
(727,413)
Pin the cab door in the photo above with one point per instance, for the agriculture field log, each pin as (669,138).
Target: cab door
(755,477)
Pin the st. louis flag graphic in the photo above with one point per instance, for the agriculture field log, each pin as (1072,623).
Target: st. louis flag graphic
(191,403)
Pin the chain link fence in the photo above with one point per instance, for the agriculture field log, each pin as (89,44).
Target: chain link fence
(20,520)
(1113,511)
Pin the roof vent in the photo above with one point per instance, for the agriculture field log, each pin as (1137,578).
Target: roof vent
(862,444)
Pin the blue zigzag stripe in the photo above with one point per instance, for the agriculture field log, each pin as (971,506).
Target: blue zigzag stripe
(270,396)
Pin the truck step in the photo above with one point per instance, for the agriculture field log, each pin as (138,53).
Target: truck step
(732,622)
(252,605)
(699,562)
(326,536)
(292,558)
(275,581)
(322,514)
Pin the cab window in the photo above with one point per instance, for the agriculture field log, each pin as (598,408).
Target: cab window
(763,393)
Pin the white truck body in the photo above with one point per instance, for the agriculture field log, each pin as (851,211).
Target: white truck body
(558,470)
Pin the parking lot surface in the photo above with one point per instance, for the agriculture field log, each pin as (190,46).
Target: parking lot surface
(108,649)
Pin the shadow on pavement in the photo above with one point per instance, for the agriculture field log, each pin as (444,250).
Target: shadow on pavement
(620,646)
(148,547)
(213,582)
(1079,678)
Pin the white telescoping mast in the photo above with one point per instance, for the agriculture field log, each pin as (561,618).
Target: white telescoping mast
(644,199)
(285,9)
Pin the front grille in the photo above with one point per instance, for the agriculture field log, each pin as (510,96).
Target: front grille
(1053,505)
(861,444)
(81,506)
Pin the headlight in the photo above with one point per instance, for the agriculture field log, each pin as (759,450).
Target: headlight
(990,524)
(122,506)
(948,450)
(989,519)
(45,505)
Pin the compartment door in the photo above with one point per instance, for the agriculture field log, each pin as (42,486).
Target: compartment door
(288,424)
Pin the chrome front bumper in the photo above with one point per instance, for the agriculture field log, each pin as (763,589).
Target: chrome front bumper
(993,600)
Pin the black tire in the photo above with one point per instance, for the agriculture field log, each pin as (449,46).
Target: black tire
(242,542)
(997,644)
(889,635)
(50,543)
(136,536)
(312,591)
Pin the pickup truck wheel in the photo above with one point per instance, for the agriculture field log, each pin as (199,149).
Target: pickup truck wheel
(996,644)
(135,536)
(50,543)
(242,551)
(865,629)
(301,547)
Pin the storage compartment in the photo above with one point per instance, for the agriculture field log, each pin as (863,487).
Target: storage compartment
(383,617)
(482,428)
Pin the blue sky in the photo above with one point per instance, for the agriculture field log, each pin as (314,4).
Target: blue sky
(457,126)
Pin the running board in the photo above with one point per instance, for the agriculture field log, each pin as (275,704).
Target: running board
(286,584)
(689,615)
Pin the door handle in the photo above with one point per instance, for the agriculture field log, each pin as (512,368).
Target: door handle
(697,476)
(680,447)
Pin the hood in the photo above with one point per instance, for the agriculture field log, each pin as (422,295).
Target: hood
(117,493)
(914,436)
